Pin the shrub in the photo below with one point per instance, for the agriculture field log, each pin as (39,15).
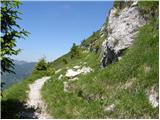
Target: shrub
(119,4)
(97,47)
(75,52)
(65,61)
(50,71)
(41,65)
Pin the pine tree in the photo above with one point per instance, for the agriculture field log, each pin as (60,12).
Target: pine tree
(10,32)
(65,61)
(75,51)
(41,65)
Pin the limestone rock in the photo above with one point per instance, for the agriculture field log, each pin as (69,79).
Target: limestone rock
(109,108)
(71,73)
(86,70)
(66,86)
(122,28)
(153,98)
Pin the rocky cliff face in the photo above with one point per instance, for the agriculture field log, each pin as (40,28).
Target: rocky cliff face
(121,30)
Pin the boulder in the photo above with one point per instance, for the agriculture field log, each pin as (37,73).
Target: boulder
(109,108)
(71,73)
(153,98)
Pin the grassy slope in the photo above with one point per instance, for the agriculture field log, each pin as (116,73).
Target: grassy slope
(91,93)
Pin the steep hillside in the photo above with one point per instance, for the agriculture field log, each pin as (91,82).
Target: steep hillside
(126,89)
(112,74)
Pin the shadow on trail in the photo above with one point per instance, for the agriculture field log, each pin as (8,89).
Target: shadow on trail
(14,109)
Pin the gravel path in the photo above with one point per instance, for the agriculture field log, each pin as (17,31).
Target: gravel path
(35,101)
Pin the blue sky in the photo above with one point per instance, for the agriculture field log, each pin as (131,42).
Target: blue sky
(55,26)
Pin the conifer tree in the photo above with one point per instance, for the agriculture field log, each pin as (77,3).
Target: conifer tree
(75,51)
(10,32)
(41,65)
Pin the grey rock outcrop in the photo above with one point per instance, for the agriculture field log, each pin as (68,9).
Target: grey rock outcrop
(109,108)
(153,97)
(121,30)
(72,73)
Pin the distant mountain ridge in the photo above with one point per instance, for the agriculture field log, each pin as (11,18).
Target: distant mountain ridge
(21,62)
(22,70)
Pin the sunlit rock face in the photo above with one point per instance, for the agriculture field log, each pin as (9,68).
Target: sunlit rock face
(121,30)
(72,73)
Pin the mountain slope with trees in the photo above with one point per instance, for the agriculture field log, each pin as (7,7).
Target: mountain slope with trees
(122,89)
(82,87)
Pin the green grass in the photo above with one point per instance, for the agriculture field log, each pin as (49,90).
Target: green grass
(84,57)
(149,9)
(91,93)
(94,42)
(91,39)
